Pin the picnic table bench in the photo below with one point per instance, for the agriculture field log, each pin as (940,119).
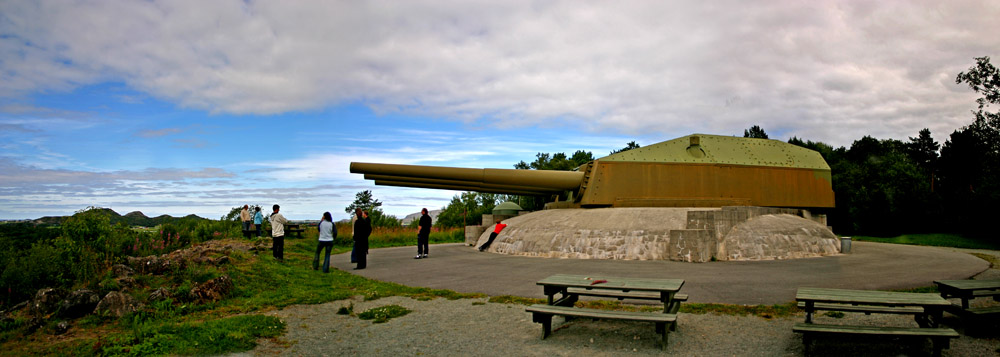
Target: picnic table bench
(294,228)
(570,287)
(926,308)
(967,290)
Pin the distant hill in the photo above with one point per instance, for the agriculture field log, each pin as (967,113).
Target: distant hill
(415,216)
(132,218)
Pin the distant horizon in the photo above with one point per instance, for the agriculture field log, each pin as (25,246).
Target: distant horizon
(185,215)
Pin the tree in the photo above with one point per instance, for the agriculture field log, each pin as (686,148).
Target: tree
(368,203)
(468,209)
(984,79)
(557,161)
(631,145)
(365,201)
(970,159)
(755,132)
(923,149)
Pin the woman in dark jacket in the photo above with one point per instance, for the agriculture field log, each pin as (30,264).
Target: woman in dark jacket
(362,229)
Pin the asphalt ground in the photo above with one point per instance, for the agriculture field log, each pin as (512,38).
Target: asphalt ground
(869,266)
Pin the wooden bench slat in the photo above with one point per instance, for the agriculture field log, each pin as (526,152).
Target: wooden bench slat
(876,330)
(603,314)
(984,310)
(544,313)
(864,308)
(641,295)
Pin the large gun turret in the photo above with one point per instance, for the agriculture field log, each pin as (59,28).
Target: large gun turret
(693,171)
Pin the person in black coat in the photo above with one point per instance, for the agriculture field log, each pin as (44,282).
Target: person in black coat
(362,229)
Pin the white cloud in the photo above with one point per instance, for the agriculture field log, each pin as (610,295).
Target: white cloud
(802,68)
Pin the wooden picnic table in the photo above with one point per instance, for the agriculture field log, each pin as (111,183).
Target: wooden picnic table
(294,228)
(927,309)
(561,283)
(930,306)
(968,289)
(570,287)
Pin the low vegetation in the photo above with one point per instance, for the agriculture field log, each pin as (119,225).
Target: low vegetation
(81,252)
(937,240)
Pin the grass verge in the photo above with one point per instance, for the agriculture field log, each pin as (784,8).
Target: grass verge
(937,240)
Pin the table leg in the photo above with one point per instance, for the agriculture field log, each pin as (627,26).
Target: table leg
(934,317)
(667,297)
(550,292)
(810,307)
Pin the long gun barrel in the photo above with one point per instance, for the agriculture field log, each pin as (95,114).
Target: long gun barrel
(529,182)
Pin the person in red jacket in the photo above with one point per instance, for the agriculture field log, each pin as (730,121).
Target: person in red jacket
(496,231)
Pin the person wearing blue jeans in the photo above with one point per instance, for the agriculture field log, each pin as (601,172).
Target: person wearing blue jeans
(327,232)
(258,221)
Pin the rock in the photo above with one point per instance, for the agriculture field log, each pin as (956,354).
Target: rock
(46,301)
(20,305)
(33,324)
(159,294)
(212,290)
(155,265)
(126,283)
(122,270)
(61,328)
(78,303)
(117,303)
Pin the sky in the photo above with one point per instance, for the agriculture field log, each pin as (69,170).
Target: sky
(195,107)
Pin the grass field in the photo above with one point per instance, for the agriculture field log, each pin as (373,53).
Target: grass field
(937,240)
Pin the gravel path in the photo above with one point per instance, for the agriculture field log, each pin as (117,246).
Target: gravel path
(474,327)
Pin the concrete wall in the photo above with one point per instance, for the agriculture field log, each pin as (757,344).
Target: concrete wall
(651,233)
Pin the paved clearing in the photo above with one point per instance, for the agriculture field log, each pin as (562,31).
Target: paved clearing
(474,327)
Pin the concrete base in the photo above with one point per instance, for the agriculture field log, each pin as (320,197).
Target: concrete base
(679,234)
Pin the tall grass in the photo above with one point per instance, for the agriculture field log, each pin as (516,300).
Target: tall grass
(937,240)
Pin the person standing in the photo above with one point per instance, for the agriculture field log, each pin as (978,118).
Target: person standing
(362,229)
(423,235)
(258,220)
(496,231)
(327,232)
(245,218)
(354,234)
(278,234)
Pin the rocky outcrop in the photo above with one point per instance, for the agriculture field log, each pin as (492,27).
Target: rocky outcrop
(159,295)
(78,303)
(212,290)
(213,253)
(117,304)
(46,301)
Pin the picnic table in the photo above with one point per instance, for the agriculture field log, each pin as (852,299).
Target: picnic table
(571,287)
(294,228)
(968,290)
(927,309)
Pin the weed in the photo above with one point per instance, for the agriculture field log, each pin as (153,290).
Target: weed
(346,310)
(384,313)
(509,299)
(237,333)
(765,311)
(992,259)
(834,314)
